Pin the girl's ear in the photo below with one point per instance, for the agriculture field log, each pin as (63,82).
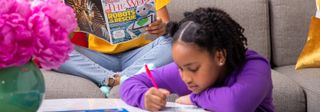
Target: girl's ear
(220,57)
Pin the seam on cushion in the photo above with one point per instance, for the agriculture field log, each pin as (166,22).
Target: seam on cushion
(312,91)
(267,24)
(306,100)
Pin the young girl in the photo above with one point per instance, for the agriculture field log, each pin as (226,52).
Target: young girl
(213,69)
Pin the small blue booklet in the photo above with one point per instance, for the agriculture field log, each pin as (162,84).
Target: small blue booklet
(98,110)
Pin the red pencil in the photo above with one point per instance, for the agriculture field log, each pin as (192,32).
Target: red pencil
(150,76)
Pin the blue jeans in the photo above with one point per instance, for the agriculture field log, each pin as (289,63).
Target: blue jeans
(97,66)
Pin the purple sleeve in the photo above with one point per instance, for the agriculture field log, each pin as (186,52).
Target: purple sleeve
(167,77)
(250,88)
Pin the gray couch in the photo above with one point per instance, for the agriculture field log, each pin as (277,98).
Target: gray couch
(277,29)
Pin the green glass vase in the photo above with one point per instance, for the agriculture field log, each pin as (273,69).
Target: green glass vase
(21,88)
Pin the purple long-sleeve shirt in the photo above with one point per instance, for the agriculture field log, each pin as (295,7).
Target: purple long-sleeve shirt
(246,90)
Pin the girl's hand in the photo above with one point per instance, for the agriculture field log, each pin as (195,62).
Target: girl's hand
(155,99)
(184,100)
(157,28)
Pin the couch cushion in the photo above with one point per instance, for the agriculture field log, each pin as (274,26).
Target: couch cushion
(67,86)
(288,96)
(289,28)
(309,79)
(251,14)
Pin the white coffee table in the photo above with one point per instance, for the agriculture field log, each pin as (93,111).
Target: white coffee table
(91,104)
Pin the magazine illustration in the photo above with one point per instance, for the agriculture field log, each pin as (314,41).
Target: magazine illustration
(114,21)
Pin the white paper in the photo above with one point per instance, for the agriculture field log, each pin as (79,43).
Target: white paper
(85,104)
(174,107)
(92,104)
(318,14)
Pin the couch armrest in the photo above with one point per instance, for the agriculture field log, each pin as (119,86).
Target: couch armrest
(288,96)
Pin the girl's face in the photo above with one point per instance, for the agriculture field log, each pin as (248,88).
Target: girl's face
(198,69)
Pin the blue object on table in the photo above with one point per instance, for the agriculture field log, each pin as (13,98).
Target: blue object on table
(99,110)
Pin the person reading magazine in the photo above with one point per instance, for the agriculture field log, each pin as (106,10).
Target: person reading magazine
(105,63)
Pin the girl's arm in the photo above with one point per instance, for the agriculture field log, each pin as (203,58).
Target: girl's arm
(251,86)
(167,77)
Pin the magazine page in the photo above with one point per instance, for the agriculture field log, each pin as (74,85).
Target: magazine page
(90,17)
(127,19)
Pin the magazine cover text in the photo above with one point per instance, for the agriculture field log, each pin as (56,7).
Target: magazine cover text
(127,18)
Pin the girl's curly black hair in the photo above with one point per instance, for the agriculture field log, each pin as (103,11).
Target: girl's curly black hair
(214,30)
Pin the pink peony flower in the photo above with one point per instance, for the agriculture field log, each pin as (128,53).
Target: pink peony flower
(52,21)
(39,31)
(16,41)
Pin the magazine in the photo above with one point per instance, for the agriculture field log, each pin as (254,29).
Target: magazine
(114,21)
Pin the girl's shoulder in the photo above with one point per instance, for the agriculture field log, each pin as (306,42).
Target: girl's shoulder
(252,55)
(256,63)
(255,66)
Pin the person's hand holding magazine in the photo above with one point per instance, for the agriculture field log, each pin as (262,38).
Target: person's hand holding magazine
(157,28)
